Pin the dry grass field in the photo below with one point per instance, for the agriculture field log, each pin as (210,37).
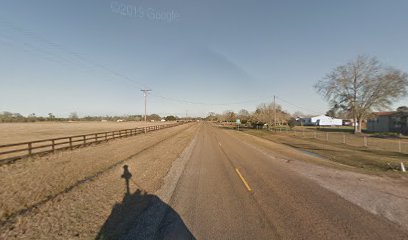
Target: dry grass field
(23,132)
(360,157)
(70,194)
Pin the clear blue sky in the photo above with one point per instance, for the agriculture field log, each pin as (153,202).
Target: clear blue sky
(197,56)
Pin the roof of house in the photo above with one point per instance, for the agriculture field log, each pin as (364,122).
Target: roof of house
(324,116)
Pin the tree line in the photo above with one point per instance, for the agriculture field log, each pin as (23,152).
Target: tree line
(266,113)
(17,117)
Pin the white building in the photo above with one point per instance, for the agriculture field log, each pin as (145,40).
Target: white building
(322,120)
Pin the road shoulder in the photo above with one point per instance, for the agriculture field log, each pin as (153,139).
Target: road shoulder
(379,195)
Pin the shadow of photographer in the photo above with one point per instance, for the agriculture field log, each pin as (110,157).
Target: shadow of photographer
(141,215)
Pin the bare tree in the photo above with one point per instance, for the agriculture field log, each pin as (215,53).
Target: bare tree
(266,113)
(361,86)
(229,116)
(212,116)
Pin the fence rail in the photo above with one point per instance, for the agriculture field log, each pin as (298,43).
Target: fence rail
(14,151)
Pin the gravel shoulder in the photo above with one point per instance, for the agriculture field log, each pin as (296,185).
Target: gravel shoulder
(76,190)
(378,194)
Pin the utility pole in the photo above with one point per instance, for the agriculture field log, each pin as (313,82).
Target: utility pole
(145,93)
(274,111)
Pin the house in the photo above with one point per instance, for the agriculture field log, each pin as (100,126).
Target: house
(322,120)
(395,121)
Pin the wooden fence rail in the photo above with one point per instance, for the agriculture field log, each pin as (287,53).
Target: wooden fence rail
(14,151)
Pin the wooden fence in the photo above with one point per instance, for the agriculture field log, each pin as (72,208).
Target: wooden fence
(12,152)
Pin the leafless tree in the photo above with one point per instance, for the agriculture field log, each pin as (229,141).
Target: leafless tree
(212,116)
(361,86)
(229,116)
(266,113)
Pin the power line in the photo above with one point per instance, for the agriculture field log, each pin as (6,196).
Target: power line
(69,52)
(83,60)
(294,105)
(209,104)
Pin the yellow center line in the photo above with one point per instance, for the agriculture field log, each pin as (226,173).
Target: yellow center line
(243,180)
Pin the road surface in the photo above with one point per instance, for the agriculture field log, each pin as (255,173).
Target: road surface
(229,190)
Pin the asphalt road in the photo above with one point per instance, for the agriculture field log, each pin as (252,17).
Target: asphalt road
(229,190)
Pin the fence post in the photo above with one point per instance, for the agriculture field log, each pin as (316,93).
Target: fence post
(70,143)
(96,137)
(30,150)
(53,145)
(84,138)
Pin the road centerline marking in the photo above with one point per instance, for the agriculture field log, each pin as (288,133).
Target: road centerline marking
(243,180)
